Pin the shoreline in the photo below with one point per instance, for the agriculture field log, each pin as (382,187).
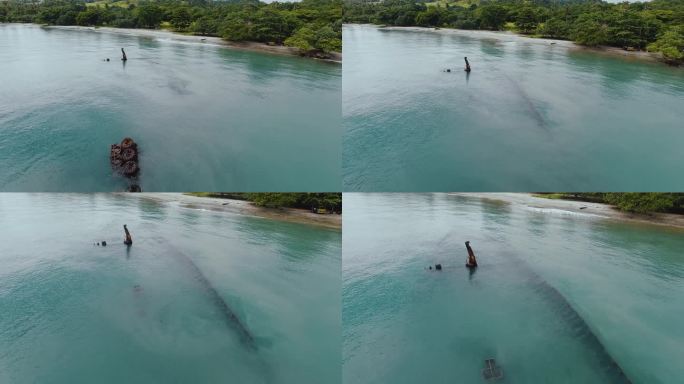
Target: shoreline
(252,46)
(602,211)
(507,36)
(245,208)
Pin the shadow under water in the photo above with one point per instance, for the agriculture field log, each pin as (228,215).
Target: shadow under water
(231,318)
(530,105)
(577,324)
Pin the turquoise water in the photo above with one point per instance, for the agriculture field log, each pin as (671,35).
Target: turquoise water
(530,116)
(70,311)
(558,297)
(206,118)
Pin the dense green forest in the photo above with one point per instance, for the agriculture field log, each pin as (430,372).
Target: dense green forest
(631,202)
(331,201)
(313,26)
(656,25)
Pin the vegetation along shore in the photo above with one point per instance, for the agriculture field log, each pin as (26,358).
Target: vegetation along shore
(656,26)
(636,202)
(663,209)
(312,28)
(320,209)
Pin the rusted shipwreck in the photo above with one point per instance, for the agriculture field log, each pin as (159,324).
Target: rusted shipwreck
(124,160)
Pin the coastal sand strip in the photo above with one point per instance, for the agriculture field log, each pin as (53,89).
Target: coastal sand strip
(583,208)
(510,36)
(336,57)
(244,208)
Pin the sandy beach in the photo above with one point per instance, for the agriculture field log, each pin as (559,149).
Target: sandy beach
(581,207)
(507,36)
(158,34)
(246,208)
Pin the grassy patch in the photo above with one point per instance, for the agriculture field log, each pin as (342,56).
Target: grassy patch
(553,196)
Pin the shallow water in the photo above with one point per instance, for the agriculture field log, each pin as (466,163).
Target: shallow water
(530,116)
(70,311)
(206,118)
(558,297)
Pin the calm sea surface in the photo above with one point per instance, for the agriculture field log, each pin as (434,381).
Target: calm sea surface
(206,118)
(531,116)
(558,297)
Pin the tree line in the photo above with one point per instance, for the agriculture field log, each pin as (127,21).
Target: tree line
(312,26)
(638,202)
(331,201)
(656,26)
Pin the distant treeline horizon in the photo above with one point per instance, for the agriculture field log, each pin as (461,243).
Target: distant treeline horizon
(312,26)
(656,26)
(637,202)
(305,200)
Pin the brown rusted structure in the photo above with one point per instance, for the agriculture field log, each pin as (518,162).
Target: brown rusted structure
(124,158)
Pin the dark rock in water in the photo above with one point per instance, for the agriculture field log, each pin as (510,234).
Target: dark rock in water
(104,243)
(438,267)
(430,267)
